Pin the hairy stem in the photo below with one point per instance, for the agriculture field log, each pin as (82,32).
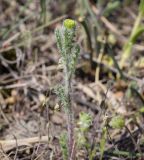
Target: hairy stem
(69,113)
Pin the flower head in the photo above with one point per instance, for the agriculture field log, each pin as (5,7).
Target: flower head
(69,23)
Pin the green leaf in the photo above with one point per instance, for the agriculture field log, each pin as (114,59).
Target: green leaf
(111,7)
(137,33)
(43,10)
(141,7)
(141,110)
(59,90)
(59,40)
(85,120)
(103,142)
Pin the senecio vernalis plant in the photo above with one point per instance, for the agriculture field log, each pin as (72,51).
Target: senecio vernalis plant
(69,51)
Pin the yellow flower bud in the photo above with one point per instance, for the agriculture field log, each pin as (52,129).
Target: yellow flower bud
(69,23)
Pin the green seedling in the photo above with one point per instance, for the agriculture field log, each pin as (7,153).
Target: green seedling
(69,51)
(84,123)
(63,143)
(117,122)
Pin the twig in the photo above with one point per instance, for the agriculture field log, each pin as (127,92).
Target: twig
(3,115)
(8,41)
(15,157)
(49,23)
(34,31)
(15,85)
(7,143)
(136,145)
